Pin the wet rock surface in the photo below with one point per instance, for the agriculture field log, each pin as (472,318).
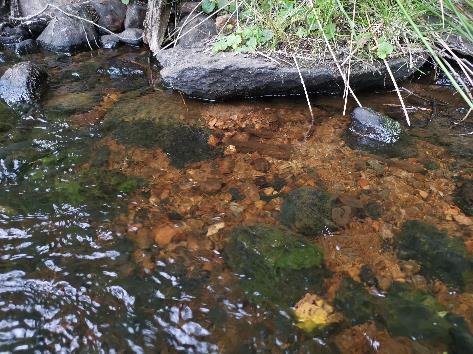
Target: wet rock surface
(227,75)
(440,256)
(376,132)
(307,211)
(23,83)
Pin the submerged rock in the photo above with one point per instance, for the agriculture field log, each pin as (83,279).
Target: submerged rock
(376,132)
(404,312)
(464,197)
(183,144)
(307,211)
(276,267)
(439,255)
(23,83)
(198,73)
(66,34)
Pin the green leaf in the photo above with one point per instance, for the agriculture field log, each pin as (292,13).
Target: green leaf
(247,33)
(384,49)
(220,45)
(125,2)
(301,32)
(251,44)
(234,40)
(330,30)
(266,36)
(221,4)
(208,6)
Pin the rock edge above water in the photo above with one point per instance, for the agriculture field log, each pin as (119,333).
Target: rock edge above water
(199,74)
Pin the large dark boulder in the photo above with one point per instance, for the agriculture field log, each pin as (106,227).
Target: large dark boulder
(135,16)
(375,132)
(111,14)
(23,83)
(199,73)
(66,34)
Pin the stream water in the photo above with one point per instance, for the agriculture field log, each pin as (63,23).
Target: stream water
(118,199)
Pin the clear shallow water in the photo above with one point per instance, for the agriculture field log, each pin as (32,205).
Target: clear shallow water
(73,276)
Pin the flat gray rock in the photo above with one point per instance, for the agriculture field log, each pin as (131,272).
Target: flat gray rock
(200,74)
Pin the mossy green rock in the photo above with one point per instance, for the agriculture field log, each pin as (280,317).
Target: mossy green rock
(276,266)
(440,256)
(464,197)
(404,312)
(307,211)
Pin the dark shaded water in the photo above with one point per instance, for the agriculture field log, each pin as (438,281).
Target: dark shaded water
(80,176)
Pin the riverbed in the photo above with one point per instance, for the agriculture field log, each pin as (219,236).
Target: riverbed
(119,198)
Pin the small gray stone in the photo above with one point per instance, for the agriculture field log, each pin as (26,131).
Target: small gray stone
(23,83)
(109,41)
(132,36)
(135,16)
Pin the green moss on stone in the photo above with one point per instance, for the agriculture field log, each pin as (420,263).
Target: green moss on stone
(404,312)
(276,266)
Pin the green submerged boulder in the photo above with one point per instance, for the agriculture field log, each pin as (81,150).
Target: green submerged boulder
(440,256)
(182,143)
(307,211)
(276,266)
(404,312)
